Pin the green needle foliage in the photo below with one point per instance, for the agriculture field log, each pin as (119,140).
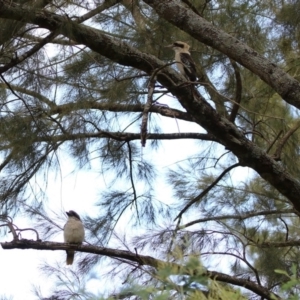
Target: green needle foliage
(202,177)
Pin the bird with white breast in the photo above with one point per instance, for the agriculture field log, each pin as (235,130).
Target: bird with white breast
(184,61)
(73,233)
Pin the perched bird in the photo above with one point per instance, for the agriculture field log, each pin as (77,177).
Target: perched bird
(73,233)
(184,61)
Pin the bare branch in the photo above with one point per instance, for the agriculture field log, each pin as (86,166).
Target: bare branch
(239,217)
(204,192)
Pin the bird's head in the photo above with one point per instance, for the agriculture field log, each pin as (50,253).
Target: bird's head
(179,46)
(72,213)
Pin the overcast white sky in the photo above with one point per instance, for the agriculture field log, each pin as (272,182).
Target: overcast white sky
(19,268)
(79,191)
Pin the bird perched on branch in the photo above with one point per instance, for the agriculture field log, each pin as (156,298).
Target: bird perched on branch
(73,233)
(184,61)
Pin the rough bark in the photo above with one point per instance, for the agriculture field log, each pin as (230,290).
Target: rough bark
(200,111)
(202,30)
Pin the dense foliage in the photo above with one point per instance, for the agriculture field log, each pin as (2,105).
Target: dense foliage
(93,81)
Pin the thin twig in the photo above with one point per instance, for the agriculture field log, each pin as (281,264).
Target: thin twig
(132,181)
(147,107)
(238,91)
(274,141)
(284,139)
(237,217)
(204,192)
(9,223)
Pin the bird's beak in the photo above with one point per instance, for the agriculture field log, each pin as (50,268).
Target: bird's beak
(169,46)
(67,213)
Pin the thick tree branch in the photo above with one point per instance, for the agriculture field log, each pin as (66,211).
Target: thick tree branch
(54,34)
(200,110)
(141,260)
(187,20)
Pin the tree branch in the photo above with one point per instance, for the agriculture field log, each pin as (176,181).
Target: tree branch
(162,110)
(54,34)
(204,192)
(290,243)
(196,26)
(144,125)
(125,136)
(200,110)
(238,217)
(284,139)
(238,91)
(16,60)
(107,4)
(141,260)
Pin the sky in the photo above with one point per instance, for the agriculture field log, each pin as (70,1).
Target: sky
(21,267)
(79,191)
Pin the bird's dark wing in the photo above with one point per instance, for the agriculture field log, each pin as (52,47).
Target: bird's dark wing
(189,66)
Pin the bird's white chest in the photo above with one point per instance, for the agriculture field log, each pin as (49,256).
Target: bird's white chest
(73,231)
(179,63)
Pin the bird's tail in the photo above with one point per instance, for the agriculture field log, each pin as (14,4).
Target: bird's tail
(70,257)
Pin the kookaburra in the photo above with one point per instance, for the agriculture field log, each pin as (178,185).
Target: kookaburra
(73,233)
(184,61)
